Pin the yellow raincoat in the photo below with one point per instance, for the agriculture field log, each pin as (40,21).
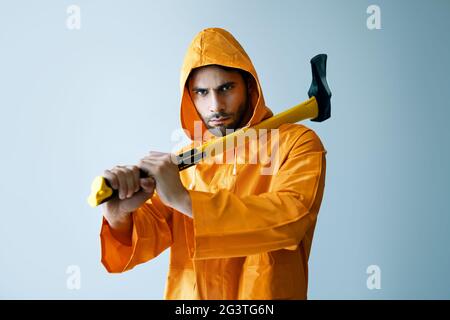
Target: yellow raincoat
(251,234)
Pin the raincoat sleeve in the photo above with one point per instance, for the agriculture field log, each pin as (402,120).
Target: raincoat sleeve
(152,234)
(227,225)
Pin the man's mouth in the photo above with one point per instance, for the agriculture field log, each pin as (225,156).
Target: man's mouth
(219,121)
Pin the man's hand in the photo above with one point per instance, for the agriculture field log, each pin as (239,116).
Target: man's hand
(133,191)
(164,170)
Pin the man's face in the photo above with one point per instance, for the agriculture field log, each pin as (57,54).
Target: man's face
(220,97)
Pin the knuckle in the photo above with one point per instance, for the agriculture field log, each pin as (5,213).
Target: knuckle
(119,174)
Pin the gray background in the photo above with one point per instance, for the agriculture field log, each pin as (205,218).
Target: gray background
(76,102)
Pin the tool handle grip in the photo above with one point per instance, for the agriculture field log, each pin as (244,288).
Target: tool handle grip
(102,191)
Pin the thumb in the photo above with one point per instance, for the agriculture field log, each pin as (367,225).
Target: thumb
(148,184)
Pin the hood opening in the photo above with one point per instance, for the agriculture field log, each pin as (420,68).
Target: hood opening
(216,46)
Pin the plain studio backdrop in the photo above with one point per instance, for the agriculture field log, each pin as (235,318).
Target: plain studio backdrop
(75,102)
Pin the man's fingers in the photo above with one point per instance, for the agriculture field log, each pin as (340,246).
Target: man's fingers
(157,153)
(126,179)
(123,185)
(150,166)
(148,184)
(130,184)
(136,176)
(153,155)
(112,179)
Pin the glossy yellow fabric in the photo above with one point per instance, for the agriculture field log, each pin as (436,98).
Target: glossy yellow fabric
(251,234)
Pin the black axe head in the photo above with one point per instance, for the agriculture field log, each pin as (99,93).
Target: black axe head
(319,87)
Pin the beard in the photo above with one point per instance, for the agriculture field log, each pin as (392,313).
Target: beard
(234,124)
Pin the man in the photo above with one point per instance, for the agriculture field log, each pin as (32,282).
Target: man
(234,233)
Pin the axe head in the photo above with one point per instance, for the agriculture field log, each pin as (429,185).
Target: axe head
(319,87)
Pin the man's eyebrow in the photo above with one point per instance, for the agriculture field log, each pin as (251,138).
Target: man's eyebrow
(222,85)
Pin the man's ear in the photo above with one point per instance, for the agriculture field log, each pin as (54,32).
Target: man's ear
(250,83)
(188,81)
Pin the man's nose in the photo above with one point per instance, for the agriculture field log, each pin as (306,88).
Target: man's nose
(215,103)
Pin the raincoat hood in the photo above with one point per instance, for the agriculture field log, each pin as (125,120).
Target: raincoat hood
(217,46)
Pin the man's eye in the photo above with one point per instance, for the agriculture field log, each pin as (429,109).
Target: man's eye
(227,87)
(200,92)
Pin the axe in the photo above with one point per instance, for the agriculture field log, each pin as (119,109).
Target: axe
(317,108)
